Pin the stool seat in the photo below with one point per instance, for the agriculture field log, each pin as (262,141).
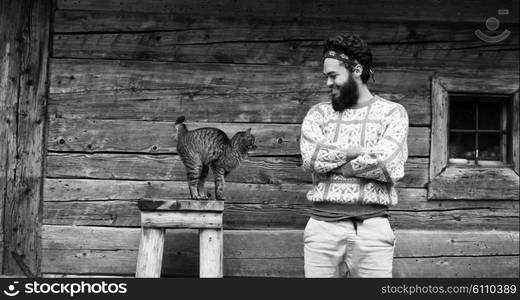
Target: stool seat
(159,214)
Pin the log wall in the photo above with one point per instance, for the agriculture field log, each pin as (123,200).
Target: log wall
(122,72)
(24,52)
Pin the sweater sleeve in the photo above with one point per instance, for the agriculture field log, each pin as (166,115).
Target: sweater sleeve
(318,154)
(385,161)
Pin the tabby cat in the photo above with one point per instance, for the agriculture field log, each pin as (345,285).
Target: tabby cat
(209,147)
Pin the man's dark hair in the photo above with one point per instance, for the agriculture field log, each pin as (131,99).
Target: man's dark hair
(355,47)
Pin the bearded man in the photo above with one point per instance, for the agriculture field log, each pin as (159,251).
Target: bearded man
(355,147)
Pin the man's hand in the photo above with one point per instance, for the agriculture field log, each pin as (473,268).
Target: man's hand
(353,152)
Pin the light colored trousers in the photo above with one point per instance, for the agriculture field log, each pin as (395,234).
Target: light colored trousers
(339,249)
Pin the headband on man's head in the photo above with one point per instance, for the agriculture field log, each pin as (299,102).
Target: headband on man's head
(341,57)
(350,62)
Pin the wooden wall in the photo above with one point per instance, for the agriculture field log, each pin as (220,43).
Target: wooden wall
(122,71)
(24,45)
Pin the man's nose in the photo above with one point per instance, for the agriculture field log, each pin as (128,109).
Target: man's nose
(330,83)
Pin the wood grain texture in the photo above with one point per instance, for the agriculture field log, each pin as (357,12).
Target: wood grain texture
(281,216)
(271,170)
(439,137)
(150,254)
(167,105)
(211,253)
(78,135)
(460,11)
(283,243)
(479,267)
(156,204)
(87,189)
(181,219)
(516,133)
(122,72)
(392,45)
(455,183)
(9,82)
(256,205)
(504,83)
(75,75)
(57,190)
(213,28)
(113,251)
(169,89)
(475,183)
(24,51)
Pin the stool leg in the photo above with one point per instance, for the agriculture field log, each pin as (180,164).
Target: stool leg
(211,254)
(149,257)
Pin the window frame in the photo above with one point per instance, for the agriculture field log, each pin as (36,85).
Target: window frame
(504,132)
(451,181)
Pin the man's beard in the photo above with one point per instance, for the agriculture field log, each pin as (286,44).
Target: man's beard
(348,95)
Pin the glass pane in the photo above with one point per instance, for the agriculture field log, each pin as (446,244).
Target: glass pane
(489,146)
(489,115)
(462,113)
(462,145)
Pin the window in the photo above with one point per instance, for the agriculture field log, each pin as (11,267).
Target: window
(479,129)
(474,147)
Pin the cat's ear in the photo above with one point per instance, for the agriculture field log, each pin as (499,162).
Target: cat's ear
(248,131)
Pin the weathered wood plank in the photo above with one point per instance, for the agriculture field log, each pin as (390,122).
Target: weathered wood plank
(476,267)
(166,105)
(272,170)
(24,51)
(515,132)
(86,189)
(150,254)
(460,11)
(278,216)
(283,243)
(238,193)
(76,75)
(505,83)
(204,87)
(255,216)
(95,262)
(185,219)
(475,184)
(156,204)
(170,167)
(415,50)
(98,250)
(439,137)
(210,28)
(211,253)
(160,137)
(9,83)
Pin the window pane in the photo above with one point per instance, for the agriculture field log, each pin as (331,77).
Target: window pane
(462,113)
(489,115)
(489,146)
(462,145)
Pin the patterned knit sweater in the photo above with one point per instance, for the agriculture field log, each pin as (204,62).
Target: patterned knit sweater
(368,143)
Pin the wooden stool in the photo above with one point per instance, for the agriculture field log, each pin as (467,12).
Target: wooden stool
(158,215)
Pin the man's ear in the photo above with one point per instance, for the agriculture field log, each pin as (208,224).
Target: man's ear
(358,70)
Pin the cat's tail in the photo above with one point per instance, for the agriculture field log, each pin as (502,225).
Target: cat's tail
(180,126)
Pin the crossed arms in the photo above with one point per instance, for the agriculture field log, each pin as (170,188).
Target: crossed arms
(383,162)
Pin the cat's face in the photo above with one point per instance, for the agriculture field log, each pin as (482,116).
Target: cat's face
(248,139)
